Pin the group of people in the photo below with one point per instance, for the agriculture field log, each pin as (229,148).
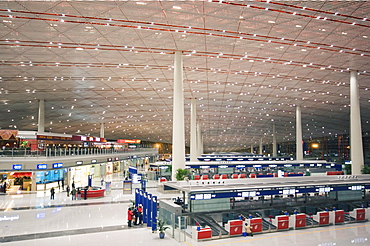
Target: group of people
(72,192)
(135,216)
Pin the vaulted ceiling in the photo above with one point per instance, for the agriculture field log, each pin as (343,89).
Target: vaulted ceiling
(248,64)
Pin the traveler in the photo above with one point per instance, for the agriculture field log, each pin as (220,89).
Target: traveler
(129,217)
(67,190)
(248,230)
(52,193)
(73,193)
(140,211)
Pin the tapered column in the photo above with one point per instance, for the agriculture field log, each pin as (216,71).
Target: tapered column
(298,137)
(357,154)
(193,131)
(102,130)
(41,118)
(252,151)
(178,131)
(260,150)
(199,140)
(274,146)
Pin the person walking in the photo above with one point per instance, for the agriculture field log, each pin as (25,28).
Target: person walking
(73,193)
(68,190)
(52,193)
(129,217)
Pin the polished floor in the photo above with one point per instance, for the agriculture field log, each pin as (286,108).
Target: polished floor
(34,219)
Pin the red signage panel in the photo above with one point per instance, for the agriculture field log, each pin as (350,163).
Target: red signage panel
(283,222)
(300,220)
(360,214)
(339,217)
(324,218)
(256,224)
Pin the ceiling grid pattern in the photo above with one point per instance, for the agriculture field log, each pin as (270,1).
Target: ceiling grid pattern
(248,63)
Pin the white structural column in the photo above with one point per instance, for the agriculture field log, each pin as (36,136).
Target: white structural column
(193,130)
(298,137)
(102,130)
(199,140)
(178,130)
(41,119)
(357,155)
(274,146)
(252,149)
(261,147)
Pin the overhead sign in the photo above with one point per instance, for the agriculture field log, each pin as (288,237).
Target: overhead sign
(42,166)
(17,167)
(57,165)
(131,141)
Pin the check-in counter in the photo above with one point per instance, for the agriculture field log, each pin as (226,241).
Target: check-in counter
(337,217)
(234,227)
(298,221)
(201,233)
(359,214)
(281,222)
(323,218)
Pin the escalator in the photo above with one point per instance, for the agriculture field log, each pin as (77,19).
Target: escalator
(205,220)
(310,221)
(266,225)
(348,218)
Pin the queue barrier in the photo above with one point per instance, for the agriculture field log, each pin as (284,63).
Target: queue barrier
(234,227)
(201,233)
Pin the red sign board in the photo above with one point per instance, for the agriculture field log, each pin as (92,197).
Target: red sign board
(282,222)
(256,224)
(360,214)
(131,141)
(300,220)
(324,218)
(204,233)
(236,227)
(339,217)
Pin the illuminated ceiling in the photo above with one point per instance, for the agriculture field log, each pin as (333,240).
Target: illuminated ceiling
(247,63)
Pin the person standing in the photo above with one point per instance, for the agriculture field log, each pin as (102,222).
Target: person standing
(140,211)
(52,193)
(129,217)
(73,193)
(73,184)
(67,190)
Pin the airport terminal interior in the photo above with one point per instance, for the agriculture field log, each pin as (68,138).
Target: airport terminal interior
(195,123)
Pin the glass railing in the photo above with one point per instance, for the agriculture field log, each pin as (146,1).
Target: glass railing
(54,152)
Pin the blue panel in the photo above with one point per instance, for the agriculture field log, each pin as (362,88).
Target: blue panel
(145,208)
(154,213)
(137,197)
(149,203)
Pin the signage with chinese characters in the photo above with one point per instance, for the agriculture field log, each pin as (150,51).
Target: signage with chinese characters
(17,167)
(42,166)
(57,165)
(131,141)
